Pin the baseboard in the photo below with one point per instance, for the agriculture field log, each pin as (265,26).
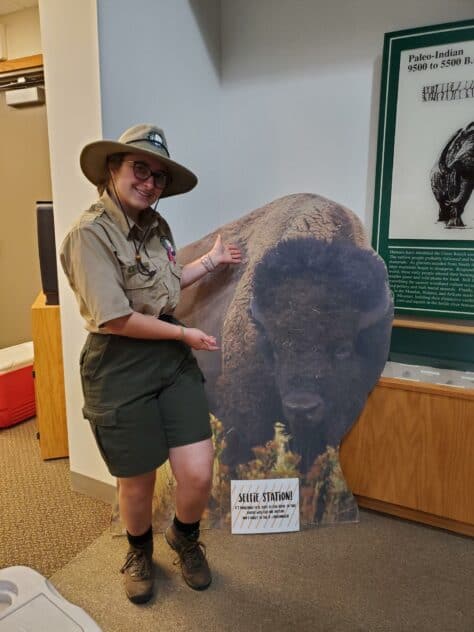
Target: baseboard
(94,488)
(418,516)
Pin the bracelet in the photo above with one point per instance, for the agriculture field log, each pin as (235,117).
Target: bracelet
(208,263)
(182,332)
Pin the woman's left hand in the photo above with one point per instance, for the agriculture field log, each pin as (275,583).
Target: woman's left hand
(224,253)
(220,253)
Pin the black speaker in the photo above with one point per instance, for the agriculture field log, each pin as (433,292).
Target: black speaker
(47,251)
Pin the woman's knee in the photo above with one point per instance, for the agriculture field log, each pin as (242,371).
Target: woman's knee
(197,478)
(136,488)
(192,465)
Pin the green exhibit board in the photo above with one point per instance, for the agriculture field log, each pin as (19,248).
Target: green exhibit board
(424,206)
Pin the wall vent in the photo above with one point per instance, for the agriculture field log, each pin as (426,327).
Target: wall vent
(24,96)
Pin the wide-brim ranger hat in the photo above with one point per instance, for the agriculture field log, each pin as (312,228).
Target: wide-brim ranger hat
(143,139)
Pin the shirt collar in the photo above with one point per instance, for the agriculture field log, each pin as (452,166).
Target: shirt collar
(116,214)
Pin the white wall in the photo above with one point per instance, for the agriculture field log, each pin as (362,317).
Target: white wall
(69,38)
(290,105)
(300,93)
(159,64)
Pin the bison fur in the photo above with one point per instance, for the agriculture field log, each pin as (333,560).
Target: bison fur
(323,316)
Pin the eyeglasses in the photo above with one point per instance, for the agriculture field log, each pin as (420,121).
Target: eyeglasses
(142,171)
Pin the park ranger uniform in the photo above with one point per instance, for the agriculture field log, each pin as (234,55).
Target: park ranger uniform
(141,396)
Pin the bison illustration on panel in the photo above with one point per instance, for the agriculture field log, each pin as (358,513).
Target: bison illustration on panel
(452,177)
(304,325)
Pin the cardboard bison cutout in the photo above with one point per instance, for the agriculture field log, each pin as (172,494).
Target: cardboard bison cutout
(304,326)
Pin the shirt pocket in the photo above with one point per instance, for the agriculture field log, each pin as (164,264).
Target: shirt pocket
(132,278)
(146,294)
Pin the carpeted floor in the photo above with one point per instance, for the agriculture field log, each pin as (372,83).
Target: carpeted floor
(43,523)
(381,575)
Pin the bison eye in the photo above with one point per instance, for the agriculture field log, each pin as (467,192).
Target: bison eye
(344,351)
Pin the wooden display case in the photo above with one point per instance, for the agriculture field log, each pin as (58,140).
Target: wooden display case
(411,452)
(49,379)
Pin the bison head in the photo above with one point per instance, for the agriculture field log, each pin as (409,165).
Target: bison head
(323,312)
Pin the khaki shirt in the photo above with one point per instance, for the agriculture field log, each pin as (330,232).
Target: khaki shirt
(98,258)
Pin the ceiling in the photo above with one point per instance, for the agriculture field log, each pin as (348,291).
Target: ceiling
(10,6)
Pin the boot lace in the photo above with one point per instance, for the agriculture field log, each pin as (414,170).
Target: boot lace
(137,564)
(192,555)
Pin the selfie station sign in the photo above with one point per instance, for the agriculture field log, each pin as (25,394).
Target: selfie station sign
(265,506)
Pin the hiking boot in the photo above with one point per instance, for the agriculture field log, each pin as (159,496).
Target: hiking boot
(191,552)
(138,573)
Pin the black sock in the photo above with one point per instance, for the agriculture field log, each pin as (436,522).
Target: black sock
(186,527)
(140,540)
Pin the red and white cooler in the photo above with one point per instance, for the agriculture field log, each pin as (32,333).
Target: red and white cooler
(17,391)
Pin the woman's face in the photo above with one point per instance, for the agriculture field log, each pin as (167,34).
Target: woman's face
(135,193)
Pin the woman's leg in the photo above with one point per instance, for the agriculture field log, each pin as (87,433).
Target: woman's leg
(135,501)
(192,469)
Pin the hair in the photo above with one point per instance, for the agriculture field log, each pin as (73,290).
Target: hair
(359,273)
(113,162)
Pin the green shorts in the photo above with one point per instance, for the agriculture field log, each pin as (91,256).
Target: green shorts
(141,398)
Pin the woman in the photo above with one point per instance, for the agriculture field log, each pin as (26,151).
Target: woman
(143,390)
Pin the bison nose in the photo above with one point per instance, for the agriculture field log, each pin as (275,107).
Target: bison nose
(304,405)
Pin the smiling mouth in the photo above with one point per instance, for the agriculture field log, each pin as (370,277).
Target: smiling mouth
(143,194)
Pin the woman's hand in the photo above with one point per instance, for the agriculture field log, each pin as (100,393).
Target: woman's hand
(224,253)
(220,253)
(198,340)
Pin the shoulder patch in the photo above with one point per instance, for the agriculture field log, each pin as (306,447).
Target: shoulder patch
(92,214)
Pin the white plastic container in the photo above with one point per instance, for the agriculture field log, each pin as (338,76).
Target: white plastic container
(29,602)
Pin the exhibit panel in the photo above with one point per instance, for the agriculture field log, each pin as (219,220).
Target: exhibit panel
(424,208)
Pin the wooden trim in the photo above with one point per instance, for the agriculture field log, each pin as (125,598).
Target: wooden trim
(21,63)
(418,516)
(433,326)
(425,387)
